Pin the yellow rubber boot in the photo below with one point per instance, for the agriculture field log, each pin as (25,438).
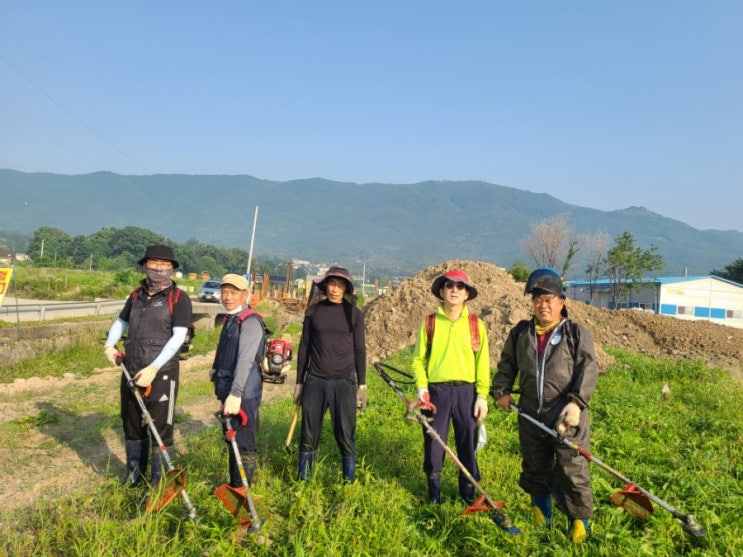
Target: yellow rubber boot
(578,529)
(542,510)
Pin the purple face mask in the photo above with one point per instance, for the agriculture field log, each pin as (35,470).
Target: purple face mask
(158,279)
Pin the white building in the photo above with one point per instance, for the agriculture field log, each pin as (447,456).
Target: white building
(702,297)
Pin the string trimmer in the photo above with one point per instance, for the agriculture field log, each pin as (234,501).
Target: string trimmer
(484,502)
(174,482)
(633,498)
(239,502)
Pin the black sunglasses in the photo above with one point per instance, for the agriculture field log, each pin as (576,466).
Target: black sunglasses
(457,285)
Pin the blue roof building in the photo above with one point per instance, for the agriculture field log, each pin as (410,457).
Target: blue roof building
(699,297)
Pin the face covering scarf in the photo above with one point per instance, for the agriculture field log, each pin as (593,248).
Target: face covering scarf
(158,279)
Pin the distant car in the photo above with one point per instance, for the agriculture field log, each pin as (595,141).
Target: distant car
(209,292)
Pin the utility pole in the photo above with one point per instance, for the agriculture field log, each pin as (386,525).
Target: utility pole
(252,238)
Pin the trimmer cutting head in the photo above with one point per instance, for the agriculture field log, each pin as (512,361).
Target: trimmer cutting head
(168,488)
(633,501)
(236,501)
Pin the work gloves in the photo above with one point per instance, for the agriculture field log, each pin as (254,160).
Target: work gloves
(145,376)
(298,394)
(111,353)
(232,405)
(569,417)
(481,408)
(424,397)
(361,397)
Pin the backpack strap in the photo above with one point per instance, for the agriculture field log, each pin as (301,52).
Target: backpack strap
(134,294)
(474,332)
(244,314)
(173,297)
(430,327)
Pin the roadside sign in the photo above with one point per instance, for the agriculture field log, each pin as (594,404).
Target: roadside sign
(5,275)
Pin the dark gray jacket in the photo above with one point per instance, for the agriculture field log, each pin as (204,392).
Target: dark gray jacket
(566,372)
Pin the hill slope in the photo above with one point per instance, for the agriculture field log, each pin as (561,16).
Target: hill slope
(402,227)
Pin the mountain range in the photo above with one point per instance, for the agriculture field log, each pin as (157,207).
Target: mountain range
(401,227)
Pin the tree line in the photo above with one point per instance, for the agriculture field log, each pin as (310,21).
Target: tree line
(112,249)
(626,266)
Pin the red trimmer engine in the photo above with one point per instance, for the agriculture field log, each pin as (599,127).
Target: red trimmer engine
(278,355)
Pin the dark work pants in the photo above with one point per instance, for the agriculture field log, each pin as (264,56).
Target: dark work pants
(160,404)
(339,397)
(455,403)
(245,436)
(550,466)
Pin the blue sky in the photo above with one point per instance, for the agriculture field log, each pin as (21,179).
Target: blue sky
(600,104)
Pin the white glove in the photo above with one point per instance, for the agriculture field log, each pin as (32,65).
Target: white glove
(232,405)
(111,353)
(264,365)
(569,417)
(481,409)
(145,376)
(298,394)
(424,396)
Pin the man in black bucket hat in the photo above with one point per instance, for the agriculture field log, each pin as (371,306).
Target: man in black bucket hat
(331,370)
(156,317)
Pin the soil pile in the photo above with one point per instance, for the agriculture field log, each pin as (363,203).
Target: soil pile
(392,321)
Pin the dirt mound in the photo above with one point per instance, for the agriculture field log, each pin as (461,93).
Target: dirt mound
(392,321)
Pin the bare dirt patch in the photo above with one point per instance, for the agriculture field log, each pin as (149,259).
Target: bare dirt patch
(82,445)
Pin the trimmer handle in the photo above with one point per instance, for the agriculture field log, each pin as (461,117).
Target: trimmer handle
(130,380)
(229,419)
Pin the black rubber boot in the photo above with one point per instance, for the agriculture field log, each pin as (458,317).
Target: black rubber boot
(250,461)
(305,464)
(136,461)
(349,468)
(434,489)
(466,490)
(158,463)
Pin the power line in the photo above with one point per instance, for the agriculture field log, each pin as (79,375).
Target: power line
(73,115)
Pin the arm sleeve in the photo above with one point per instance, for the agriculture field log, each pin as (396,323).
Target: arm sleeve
(359,347)
(182,315)
(251,336)
(171,347)
(482,363)
(116,331)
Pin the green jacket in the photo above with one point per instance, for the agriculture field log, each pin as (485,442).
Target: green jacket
(452,357)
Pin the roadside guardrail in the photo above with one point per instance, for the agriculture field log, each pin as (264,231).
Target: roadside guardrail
(55,310)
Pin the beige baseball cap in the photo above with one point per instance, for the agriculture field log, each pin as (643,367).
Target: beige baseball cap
(238,281)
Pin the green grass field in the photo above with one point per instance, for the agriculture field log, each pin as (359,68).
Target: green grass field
(686,449)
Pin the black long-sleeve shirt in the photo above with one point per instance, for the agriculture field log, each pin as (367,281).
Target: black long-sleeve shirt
(333,343)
